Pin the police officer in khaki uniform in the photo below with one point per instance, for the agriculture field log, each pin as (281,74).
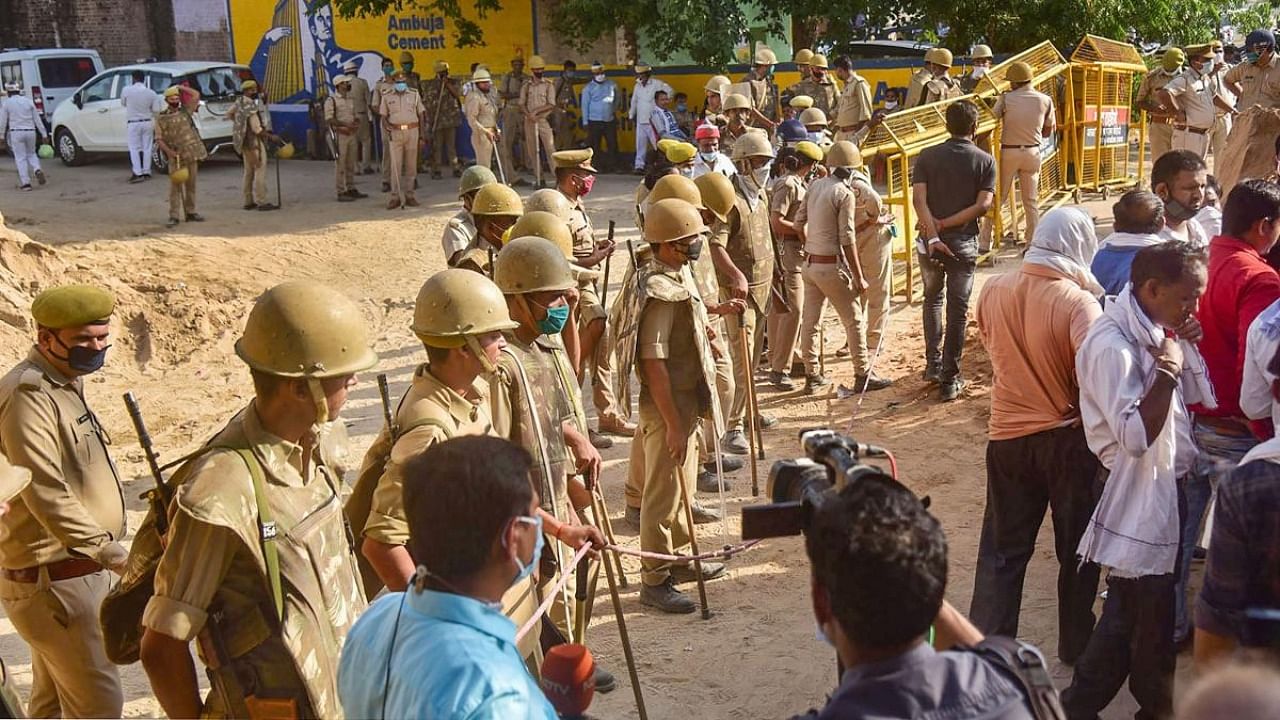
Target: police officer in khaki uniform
(819,86)
(442,100)
(460,231)
(562,122)
(802,58)
(340,114)
(481,110)
(980,59)
(495,209)
(509,91)
(257,567)
(411,76)
(61,535)
(361,94)
(1026,118)
(251,129)
(402,113)
(675,367)
(744,264)
(1256,80)
(737,109)
(385,84)
(785,200)
(178,139)
(932,83)
(1160,118)
(764,93)
(538,101)
(1194,98)
(842,228)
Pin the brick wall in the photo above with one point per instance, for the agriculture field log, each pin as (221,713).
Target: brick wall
(555,51)
(202,30)
(120,30)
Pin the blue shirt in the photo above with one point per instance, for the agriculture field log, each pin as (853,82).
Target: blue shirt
(451,658)
(598,100)
(1111,265)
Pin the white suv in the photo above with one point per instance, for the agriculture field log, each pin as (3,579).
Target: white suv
(93,120)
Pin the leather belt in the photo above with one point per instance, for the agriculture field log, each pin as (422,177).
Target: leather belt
(1195,130)
(1020,147)
(1230,427)
(1161,120)
(140,120)
(60,570)
(410,126)
(22,129)
(822,259)
(847,128)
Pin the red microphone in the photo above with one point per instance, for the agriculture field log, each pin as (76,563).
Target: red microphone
(568,679)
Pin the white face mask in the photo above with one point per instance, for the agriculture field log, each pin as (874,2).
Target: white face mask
(600,78)
(979,71)
(761,174)
(1219,58)
(890,104)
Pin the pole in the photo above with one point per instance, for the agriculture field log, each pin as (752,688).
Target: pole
(605,524)
(582,580)
(619,617)
(279,196)
(604,291)
(497,156)
(384,391)
(687,501)
(745,349)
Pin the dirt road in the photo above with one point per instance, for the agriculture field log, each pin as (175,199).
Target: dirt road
(184,295)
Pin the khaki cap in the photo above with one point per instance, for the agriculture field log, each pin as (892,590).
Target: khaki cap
(497,199)
(172,91)
(676,186)
(532,264)
(248,85)
(803,56)
(809,150)
(537,63)
(642,68)
(73,306)
(717,194)
(813,116)
(306,329)
(803,102)
(1200,51)
(576,159)
(844,154)
(736,101)
(342,79)
(671,220)
(456,303)
(680,152)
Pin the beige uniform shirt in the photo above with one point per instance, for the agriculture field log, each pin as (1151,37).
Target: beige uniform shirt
(431,399)
(749,242)
(1195,93)
(538,96)
(787,196)
(666,333)
(829,216)
(402,108)
(1024,112)
(382,87)
(869,216)
(459,233)
(1154,80)
(74,505)
(510,89)
(916,90)
(854,105)
(481,109)
(360,95)
(1260,85)
(342,109)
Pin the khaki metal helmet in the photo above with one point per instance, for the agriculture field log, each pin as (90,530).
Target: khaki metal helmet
(765,56)
(717,83)
(843,154)
(497,199)
(1019,72)
(542,224)
(481,75)
(537,63)
(474,178)
(981,52)
(549,200)
(531,264)
(754,143)
(441,66)
(803,56)
(671,220)
(819,61)
(455,304)
(676,186)
(813,116)
(736,101)
(717,194)
(939,56)
(305,329)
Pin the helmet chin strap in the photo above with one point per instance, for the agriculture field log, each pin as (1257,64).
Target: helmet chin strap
(318,397)
(478,351)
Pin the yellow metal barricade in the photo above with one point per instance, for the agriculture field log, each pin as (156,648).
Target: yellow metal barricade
(1102,76)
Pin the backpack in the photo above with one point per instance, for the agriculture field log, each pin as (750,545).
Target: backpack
(1022,663)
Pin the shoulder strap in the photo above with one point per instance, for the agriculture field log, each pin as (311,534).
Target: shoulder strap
(1023,663)
(425,422)
(267,531)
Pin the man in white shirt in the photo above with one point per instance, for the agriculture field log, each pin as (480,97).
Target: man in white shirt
(1179,177)
(641,113)
(22,125)
(1135,384)
(1261,346)
(139,103)
(709,158)
(1193,96)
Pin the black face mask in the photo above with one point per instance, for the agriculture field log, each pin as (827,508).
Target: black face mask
(694,250)
(80,358)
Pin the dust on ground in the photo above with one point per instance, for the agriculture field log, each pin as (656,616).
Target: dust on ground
(184,294)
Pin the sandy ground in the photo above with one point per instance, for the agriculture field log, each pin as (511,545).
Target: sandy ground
(186,291)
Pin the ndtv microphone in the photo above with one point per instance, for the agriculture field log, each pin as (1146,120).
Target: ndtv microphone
(568,679)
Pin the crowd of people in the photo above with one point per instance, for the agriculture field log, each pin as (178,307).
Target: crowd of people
(1136,387)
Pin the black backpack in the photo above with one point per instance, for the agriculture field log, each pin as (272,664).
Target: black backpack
(1024,664)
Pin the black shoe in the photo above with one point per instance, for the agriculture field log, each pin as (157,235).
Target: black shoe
(766,421)
(1199,553)
(638,171)
(355,194)
(457,172)
(386,187)
(667,598)
(135,179)
(598,441)
(707,482)
(604,680)
(735,442)
(146,176)
(632,516)
(251,206)
(951,390)
(171,222)
(875,382)
(26,187)
(267,207)
(195,217)
(681,574)
(781,381)
(797,370)
(40,178)
(729,463)
(812,383)
(346,198)
(703,516)
(932,374)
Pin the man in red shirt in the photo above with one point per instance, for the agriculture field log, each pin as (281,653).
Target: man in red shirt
(1241,285)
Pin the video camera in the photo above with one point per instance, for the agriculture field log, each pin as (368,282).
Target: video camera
(797,487)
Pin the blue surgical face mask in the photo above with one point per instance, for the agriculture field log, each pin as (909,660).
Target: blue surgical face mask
(708,157)
(681,107)
(523,571)
(402,86)
(1250,57)
(388,70)
(820,634)
(554,322)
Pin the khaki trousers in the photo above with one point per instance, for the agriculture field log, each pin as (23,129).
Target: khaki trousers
(1218,138)
(1024,163)
(562,126)
(875,255)
(182,196)
(364,143)
(1197,143)
(443,151)
(823,282)
(70,673)
(345,167)
(512,124)
(404,162)
(784,328)
(254,185)
(754,330)
(662,521)
(1160,137)
(484,147)
(602,380)
(538,131)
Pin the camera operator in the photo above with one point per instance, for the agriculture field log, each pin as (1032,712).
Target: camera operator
(879,571)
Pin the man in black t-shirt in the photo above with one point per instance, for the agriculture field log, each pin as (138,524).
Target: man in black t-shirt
(953,185)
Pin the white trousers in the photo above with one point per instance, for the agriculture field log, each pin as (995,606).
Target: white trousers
(644,141)
(142,135)
(23,143)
